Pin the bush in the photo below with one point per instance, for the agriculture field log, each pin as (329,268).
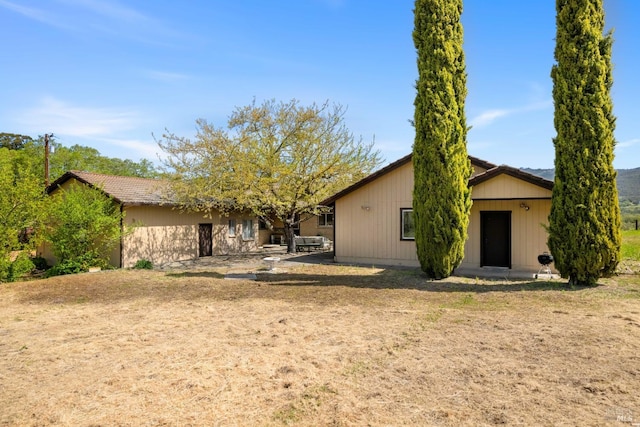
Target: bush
(76,265)
(20,267)
(40,263)
(143,264)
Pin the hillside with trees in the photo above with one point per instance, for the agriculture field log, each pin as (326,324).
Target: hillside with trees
(628,181)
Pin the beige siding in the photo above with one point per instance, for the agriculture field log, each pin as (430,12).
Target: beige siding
(367,227)
(476,170)
(528,235)
(164,235)
(507,187)
(367,221)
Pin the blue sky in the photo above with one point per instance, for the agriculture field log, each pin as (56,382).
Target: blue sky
(109,74)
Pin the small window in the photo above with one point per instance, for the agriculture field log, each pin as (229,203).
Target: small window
(325,220)
(407,225)
(232,228)
(247,229)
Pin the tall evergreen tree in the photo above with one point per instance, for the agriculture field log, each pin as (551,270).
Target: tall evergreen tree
(584,224)
(441,196)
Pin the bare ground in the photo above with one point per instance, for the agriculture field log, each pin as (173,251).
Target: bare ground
(317,345)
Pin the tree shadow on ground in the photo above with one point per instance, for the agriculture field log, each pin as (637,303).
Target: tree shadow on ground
(200,274)
(412,279)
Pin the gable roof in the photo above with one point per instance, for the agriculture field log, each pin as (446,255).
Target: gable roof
(511,171)
(126,190)
(389,168)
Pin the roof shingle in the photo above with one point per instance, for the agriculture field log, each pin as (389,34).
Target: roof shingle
(125,190)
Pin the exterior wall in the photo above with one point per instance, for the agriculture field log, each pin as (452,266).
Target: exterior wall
(507,187)
(309,226)
(476,170)
(166,235)
(367,221)
(528,235)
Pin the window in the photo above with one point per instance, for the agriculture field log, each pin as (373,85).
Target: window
(232,228)
(325,220)
(407,226)
(247,229)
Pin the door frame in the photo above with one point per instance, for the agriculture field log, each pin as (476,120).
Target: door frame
(505,217)
(207,235)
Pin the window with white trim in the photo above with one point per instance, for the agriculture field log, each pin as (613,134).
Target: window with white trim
(407,225)
(325,219)
(247,229)
(232,228)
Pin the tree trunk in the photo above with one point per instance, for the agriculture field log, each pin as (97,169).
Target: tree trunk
(290,236)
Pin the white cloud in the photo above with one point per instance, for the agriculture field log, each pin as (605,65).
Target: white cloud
(114,131)
(110,9)
(39,15)
(488,117)
(65,119)
(628,143)
(145,149)
(165,76)
(105,17)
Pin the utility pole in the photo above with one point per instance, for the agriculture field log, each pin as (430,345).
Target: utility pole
(46,159)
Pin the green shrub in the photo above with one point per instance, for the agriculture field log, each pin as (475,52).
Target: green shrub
(143,264)
(20,267)
(83,226)
(76,265)
(40,263)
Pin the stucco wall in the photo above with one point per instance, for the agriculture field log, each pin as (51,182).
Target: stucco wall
(308,227)
(164,235)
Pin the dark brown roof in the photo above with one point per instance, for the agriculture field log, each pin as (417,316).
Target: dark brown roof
(511,171)
(389,168)
(125,190)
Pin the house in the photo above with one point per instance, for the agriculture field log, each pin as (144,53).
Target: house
(310,225)
(373,218)
(163,233)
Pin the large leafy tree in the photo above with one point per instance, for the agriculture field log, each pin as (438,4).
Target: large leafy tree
(278,160)
(14,141)
(584,224)
(21,205)
(89,159)
(441,196)
(83,226)
(75,157)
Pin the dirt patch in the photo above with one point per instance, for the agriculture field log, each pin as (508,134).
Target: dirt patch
(317,345)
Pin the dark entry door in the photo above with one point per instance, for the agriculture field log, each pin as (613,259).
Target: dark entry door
(205,233)
(495,236)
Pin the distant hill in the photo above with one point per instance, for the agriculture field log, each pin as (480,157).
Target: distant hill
(628,182)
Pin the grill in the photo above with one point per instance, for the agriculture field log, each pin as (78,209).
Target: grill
(545,259)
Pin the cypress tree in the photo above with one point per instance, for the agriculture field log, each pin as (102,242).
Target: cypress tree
(441,196)
(584,224)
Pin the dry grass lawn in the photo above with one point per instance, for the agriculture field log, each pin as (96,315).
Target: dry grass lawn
(317,345)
